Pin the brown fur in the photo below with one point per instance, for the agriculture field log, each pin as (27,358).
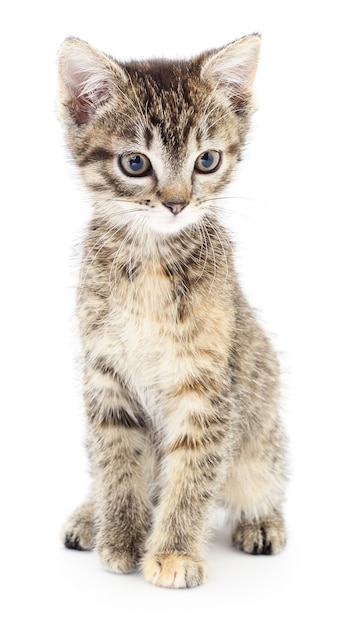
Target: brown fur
(181,386)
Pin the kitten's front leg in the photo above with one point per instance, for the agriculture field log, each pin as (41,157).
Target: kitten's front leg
(123,508)
(117,447)
(194,468)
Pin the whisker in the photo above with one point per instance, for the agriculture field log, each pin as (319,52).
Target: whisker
(117,256)
(220,238)
(99,246)
(257,201)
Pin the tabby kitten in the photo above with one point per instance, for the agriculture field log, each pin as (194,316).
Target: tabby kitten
(181,386)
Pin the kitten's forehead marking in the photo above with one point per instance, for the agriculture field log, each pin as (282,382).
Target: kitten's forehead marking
(175,156)
(169,100)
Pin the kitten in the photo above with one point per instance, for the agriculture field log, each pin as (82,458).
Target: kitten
(181,386)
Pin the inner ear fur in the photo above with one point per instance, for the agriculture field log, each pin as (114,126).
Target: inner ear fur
(88,79)
(232,69)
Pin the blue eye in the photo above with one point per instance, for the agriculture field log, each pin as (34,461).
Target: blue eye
(208,161)
(134,164)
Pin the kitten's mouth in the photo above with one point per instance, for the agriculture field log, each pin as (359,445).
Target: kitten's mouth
(179,215)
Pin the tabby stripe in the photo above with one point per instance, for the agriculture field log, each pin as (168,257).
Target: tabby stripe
(96,154)
(117,416)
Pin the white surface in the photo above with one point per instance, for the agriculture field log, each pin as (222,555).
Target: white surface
(299,255)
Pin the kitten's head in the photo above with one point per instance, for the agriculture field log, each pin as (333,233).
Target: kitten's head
(156,141)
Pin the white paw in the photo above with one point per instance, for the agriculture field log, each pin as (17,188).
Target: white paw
(174,570)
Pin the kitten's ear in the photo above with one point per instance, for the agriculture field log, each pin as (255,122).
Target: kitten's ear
(87,79)
(232,69)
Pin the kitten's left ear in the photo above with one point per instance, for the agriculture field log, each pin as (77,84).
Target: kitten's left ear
(232,69)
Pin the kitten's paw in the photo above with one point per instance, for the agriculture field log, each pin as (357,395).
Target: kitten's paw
(174,570)
(79,531)
(116,560)
(120,550)
(266,536)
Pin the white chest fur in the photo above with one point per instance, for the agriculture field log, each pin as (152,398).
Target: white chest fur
(138,334)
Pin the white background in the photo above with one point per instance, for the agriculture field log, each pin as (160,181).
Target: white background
(295,216)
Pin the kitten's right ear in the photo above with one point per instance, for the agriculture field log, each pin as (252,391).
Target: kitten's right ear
(88,79)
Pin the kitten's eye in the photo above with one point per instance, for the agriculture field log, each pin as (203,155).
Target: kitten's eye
(134,164)
(208,161)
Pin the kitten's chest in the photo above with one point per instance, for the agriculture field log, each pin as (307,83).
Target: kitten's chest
(147,302)
(143,326)
(156,329)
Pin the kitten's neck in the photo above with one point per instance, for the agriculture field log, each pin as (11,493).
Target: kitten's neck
(205,246)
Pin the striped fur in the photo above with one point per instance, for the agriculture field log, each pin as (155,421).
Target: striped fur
(181,385)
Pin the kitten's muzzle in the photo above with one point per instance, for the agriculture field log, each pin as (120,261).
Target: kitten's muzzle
(177,206)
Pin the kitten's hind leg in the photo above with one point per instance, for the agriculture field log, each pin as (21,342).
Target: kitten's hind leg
(253,497)
(260,536)
(78,533)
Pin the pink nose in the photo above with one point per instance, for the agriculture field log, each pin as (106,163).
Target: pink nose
(176,207)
